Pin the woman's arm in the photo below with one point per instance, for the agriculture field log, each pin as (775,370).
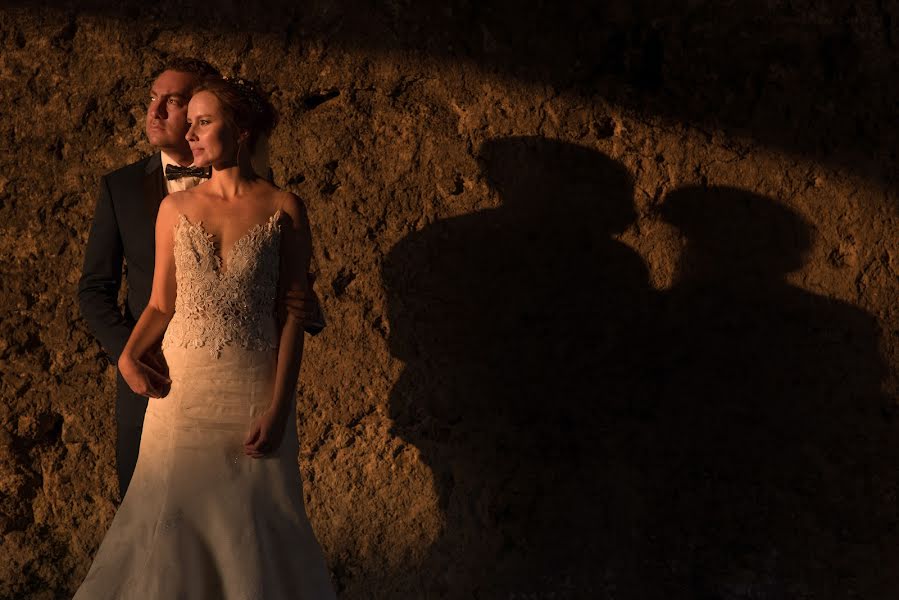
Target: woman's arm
(154,320)
(296,250)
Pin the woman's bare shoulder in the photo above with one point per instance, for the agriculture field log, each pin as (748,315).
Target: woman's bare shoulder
(177,200)
(177,204)
(292,206)
(171,205)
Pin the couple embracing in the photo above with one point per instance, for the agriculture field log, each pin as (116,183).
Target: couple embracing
(208,352)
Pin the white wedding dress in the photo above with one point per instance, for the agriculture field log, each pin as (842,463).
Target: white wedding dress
(202,520)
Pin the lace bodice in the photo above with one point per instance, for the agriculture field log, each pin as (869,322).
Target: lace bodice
(222,302)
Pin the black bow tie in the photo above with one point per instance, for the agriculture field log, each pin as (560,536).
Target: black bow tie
(176,172)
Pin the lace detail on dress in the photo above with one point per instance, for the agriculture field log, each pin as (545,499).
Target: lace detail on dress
(225,302)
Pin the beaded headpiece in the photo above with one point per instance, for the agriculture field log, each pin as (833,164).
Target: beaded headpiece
(249,91)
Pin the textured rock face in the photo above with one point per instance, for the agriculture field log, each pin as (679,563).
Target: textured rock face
(611,293)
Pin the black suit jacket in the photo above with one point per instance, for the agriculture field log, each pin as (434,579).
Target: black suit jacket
(123,230)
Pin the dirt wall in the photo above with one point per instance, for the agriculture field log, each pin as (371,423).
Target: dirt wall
(611,291)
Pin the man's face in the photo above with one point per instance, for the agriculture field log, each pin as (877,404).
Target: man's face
(167,113)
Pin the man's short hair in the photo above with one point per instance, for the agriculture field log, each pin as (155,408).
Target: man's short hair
(185,64)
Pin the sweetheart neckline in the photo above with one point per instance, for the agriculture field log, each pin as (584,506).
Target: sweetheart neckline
(219,257)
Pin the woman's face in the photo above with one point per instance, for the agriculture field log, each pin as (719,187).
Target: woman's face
(213,140)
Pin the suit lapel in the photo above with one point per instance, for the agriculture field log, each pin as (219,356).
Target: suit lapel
(154,186)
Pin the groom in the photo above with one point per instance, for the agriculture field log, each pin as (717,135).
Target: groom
(124,229)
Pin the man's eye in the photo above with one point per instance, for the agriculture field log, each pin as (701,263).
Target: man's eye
(172,101)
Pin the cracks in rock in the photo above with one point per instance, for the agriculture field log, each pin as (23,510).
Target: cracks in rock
(340,283)
(296,179)
(329,188)
(63,38)
(330,184)
(404,84)
(236,67)
(313,101)
(361,417)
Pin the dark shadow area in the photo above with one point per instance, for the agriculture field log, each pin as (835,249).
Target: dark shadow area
(815,78)
(776,447)
(513,323)
(591,437)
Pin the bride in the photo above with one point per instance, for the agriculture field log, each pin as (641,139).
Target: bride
(215,508)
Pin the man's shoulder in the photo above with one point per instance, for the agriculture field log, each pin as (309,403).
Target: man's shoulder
(132,171)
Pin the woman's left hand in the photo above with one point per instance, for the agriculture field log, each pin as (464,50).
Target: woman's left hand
(265,433)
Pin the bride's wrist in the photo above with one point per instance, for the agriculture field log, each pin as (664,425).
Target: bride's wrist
(279,409)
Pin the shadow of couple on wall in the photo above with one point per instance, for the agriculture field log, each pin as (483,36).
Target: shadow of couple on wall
(591,436)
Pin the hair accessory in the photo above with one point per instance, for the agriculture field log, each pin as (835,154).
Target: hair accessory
(249,91)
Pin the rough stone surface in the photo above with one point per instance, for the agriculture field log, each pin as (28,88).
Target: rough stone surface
(611,291)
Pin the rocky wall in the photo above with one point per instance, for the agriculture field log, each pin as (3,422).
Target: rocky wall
(611,290)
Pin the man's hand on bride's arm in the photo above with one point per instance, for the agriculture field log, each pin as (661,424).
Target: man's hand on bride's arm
(266,433)
(155,359)
(303,304)
(145,376)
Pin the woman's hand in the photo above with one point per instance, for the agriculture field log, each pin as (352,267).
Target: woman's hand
(266,433)
(144,379)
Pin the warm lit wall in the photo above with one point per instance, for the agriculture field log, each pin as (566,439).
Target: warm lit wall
(611,294)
